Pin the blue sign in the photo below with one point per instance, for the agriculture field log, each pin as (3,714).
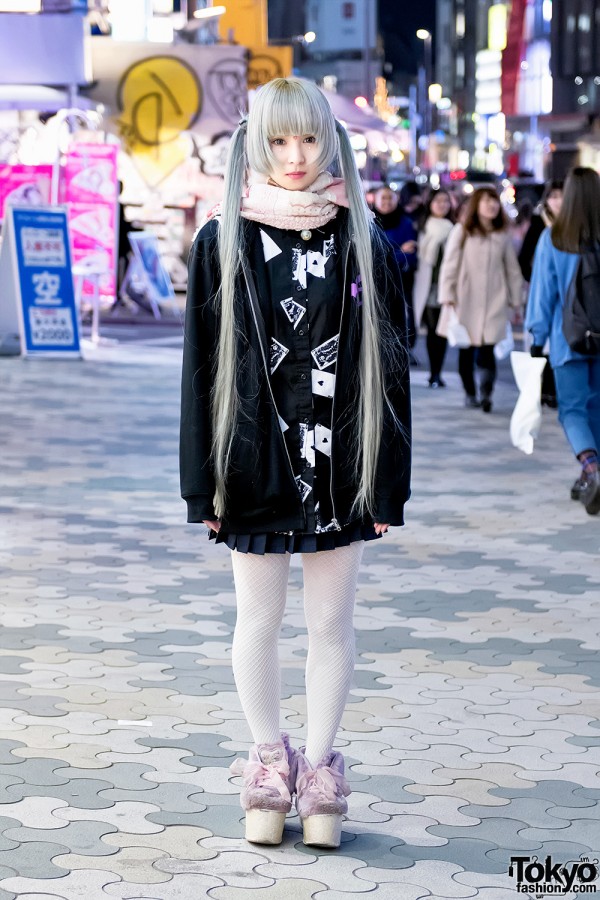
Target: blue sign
(145,247)
(49,319)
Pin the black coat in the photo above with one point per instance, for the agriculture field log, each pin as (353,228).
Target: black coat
(530,242)
(261,490)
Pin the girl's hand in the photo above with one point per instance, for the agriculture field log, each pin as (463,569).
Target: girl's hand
(380,528)
(409,247)
(212,523)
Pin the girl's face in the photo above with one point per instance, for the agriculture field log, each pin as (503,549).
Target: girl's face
(386,201)
(554,202)
(488,207)
(295,161)
(440,206)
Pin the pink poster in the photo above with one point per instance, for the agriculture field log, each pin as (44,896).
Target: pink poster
(89,187)
(24,186)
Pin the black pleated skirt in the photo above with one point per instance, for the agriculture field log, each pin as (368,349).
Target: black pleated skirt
(296,543)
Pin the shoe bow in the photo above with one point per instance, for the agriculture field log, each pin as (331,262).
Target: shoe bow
(328,783)
(258,774)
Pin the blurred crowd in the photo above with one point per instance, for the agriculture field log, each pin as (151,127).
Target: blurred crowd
(469,276)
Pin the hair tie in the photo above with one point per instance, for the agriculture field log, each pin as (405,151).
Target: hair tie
(242,123)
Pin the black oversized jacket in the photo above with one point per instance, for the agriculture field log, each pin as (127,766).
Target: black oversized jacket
(262,495)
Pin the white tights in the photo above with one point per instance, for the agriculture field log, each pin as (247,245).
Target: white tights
(330,578)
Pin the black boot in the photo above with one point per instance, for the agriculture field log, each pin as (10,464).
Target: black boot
(590,494)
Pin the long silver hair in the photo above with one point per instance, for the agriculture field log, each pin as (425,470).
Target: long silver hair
(295,106)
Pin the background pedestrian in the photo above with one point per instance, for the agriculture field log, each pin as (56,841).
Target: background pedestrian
(437,223)
(401,231)
(544,217)
(575,229)
(481,280)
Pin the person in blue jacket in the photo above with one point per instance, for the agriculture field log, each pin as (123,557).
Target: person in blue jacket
(577,377)
(401,232)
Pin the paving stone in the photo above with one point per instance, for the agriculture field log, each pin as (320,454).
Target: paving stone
(472,727)
(82,837)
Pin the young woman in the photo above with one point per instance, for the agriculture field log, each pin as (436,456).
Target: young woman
(480,278)
(295,427)
(576,227)
(401,231)
(548,210)
(544,217)
(437,225)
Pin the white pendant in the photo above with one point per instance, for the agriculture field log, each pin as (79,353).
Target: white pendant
(306,234)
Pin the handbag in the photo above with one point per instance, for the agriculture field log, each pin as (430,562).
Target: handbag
(456,333)
(526,419)
(506,345)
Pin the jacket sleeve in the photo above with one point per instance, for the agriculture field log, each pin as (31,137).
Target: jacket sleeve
(392,483)
(543,292)
(450,269)
(200,342)
(513,275)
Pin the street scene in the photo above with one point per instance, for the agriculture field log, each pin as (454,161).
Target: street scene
(299,449)
(471,730)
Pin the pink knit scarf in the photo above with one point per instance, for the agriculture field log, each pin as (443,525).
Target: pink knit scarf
(294,210)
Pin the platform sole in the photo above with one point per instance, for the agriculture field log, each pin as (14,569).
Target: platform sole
(322,831)
(264,826)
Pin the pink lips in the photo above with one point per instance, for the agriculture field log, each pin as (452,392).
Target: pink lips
(296,174)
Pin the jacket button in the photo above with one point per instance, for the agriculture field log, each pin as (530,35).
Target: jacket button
(298,287)
(301,333)
(303,376)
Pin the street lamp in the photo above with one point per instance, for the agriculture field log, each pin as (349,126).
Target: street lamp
(424,78)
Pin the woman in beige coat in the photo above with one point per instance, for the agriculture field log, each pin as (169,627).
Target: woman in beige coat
(480,278)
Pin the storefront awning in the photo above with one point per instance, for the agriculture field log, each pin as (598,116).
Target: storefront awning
(353,116)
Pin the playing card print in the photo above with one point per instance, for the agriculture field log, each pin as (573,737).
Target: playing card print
(299,267)
(326,354)
(277,353)
(319,527)
(323,383)
(303,487)
(293,311)
(270,248)
(307,444)
(323,439)
(305,313)
(312,263)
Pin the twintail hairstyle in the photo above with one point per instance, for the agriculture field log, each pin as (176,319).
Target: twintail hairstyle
(294,106)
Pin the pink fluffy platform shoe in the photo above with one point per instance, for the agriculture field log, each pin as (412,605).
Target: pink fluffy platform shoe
(269,776)
(321,799)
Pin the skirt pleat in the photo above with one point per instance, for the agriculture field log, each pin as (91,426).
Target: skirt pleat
(278,542)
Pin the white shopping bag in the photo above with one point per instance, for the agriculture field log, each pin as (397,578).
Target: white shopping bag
(527,415)
(506,345)
(457,334)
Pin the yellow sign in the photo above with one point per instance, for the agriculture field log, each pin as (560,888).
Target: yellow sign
(266,63)
(247,20)
(159,97)
(497,27)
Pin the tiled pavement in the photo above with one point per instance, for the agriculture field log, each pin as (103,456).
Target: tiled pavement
(472,730)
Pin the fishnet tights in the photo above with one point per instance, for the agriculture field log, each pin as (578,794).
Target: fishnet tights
(329,590)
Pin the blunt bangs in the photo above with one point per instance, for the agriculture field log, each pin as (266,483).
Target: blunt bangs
(289,106)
